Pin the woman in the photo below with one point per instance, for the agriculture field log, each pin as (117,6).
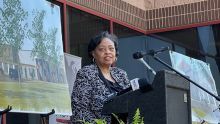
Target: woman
(96,81)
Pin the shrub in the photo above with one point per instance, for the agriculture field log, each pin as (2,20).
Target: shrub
(137,119)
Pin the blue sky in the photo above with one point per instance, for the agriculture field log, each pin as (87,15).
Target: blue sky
(51,20)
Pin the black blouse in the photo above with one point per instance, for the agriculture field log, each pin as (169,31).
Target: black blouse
(112,86)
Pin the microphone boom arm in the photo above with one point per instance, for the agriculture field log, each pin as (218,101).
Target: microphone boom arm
(148,67)
(199,86)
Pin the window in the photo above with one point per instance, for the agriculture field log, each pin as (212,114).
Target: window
(82,27)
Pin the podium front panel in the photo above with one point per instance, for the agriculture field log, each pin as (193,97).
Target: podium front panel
(168,103)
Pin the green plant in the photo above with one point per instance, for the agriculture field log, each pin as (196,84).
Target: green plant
(137,119)
(119,120)
(100,121)
(84,122)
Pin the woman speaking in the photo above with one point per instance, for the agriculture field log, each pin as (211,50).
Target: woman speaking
(96,81)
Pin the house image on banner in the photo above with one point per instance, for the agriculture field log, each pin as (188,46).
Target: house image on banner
(28,68)
(21,66)
(8,63)
(17,66)
(33,68)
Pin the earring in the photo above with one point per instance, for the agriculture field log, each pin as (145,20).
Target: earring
(115,59)
(93,60)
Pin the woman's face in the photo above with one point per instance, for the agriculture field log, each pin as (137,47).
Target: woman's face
(105,53)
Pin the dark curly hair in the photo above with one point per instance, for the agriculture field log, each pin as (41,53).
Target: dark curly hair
(95,41)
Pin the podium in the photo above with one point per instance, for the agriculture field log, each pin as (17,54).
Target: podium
(168,103)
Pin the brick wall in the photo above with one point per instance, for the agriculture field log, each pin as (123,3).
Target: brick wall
(185,14)
(162,13)
(137,3)
(117,9)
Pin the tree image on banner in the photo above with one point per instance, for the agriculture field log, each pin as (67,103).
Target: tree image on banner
(32,68)
(12,31)
(12,26)
(45,48)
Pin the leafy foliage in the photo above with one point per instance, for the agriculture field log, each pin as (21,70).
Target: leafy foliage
(100,121)
(45,46)
(12,25)
(119,120)
(38,35)
(53,48)
(137,119)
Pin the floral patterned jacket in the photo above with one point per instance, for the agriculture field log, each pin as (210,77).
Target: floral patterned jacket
(90,92)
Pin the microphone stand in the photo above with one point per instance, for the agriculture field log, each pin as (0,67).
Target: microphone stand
(148,67)
(199,86)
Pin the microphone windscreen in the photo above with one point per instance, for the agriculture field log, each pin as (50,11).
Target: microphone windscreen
(138,55)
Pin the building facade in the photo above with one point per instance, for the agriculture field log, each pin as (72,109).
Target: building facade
(190,27)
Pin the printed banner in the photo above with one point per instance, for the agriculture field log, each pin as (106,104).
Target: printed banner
(203,105)
(72,64)
(32,69)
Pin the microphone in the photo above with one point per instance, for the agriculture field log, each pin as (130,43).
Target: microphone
(142,84)
(138,55)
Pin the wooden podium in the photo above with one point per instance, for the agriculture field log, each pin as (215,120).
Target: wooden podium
(168,103)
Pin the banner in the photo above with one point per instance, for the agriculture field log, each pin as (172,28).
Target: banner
(203,105)
(72,64)
(32,69)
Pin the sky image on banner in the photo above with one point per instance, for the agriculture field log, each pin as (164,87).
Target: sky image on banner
(203,105)
(32,70)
